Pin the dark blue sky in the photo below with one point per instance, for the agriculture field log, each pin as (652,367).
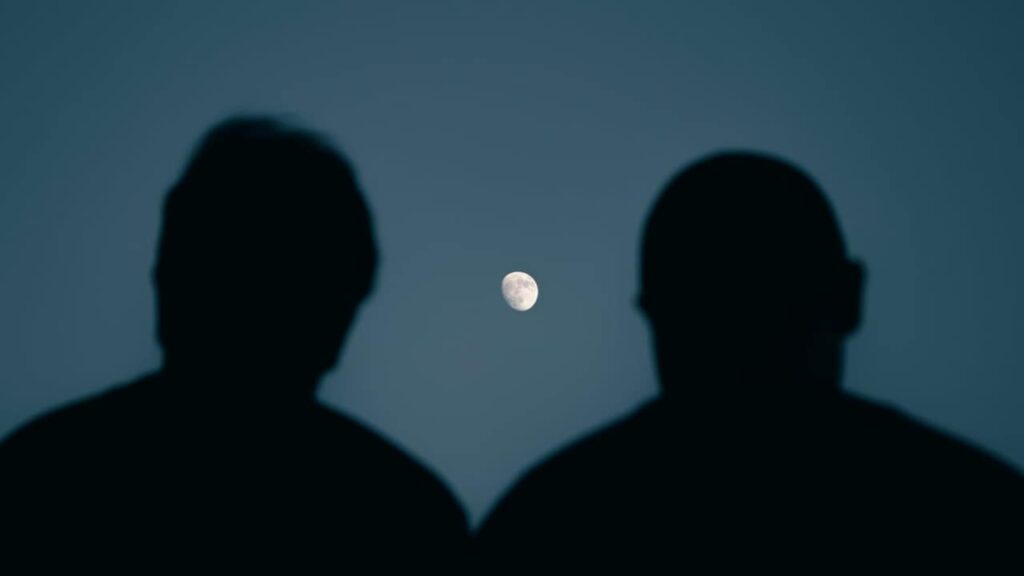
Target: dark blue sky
(500,136)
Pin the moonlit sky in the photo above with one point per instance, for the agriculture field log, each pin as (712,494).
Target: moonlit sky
(497,136)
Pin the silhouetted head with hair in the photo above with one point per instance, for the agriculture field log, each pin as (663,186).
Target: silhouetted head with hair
(746,283)
(266,252)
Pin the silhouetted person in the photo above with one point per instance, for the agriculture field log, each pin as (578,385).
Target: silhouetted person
(266,253)
(753,456)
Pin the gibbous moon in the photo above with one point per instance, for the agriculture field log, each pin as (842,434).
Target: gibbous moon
(520,290)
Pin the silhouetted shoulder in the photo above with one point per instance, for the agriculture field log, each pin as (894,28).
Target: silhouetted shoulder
(296,478)
(386,466)
(89,422)
(146,419)
(938,495)
(910,446)
(556,497)
(61,469)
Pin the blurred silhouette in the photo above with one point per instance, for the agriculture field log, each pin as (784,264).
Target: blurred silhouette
(753,456)
(267,251)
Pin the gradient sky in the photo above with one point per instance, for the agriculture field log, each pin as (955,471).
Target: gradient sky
(500,136)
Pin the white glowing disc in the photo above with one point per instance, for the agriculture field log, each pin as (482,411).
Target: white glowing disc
(520,290)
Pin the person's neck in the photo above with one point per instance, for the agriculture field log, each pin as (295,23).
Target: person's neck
(238,390)
(744,399)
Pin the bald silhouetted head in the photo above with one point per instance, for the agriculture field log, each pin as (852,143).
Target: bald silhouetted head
(746,283)
(266,251)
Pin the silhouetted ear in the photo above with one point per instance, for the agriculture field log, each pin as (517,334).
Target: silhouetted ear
(850,301)
(641,303)
(154,279)
(650,308)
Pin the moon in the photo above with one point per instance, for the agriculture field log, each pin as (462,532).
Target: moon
(519,290)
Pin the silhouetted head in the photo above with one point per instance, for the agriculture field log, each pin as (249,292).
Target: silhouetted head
(267,249)
(746,283)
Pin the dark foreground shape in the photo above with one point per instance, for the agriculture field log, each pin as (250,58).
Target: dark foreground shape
(224,457)
(753,457)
